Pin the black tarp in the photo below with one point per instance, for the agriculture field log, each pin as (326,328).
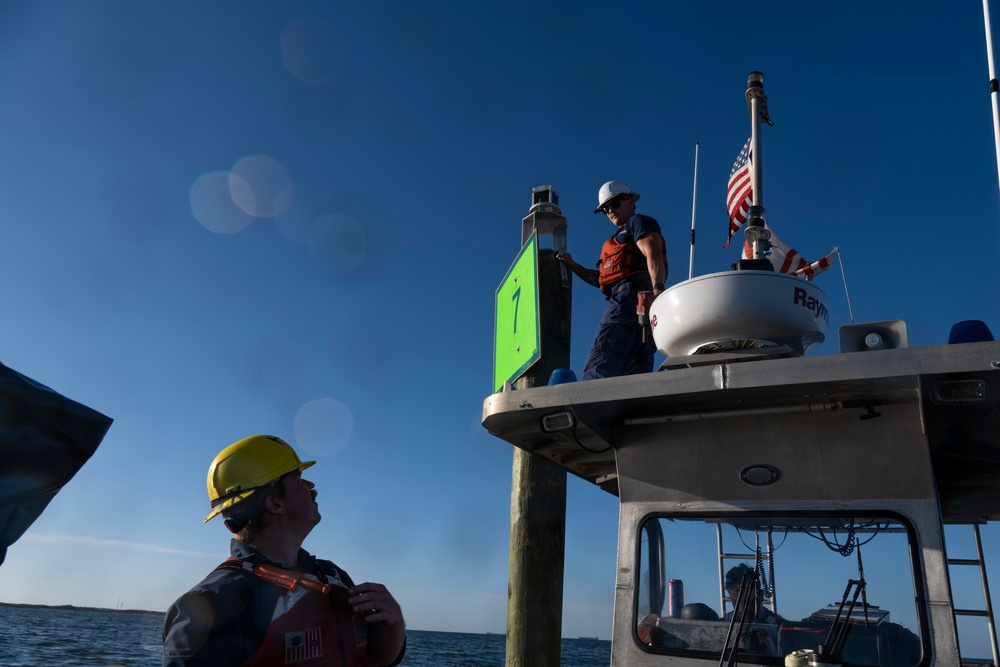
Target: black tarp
(45,438)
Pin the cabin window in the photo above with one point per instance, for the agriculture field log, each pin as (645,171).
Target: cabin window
(843,585)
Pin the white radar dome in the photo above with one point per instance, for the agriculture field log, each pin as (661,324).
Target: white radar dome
(739,310)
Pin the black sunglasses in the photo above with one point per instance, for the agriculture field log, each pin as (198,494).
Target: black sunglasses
(614,204)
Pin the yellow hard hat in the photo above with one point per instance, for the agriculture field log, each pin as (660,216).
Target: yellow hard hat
(246,465)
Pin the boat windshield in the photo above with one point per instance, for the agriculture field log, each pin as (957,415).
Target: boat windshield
(774,585)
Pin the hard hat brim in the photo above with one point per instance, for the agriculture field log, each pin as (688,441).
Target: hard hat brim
(216,511)
(600,209)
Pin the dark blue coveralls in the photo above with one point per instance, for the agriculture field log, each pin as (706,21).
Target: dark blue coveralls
(618,348)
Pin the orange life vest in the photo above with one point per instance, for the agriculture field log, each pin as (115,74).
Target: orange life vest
(622,260)
(312,625)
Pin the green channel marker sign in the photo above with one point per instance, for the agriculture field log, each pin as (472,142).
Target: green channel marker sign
(516,336)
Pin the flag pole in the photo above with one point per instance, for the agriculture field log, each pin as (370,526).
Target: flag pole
(994,84)
(694,201)
(755,91)
(755,232)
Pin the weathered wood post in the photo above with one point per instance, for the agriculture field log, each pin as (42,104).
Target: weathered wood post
(538,488)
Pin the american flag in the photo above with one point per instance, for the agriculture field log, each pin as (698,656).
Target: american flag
(788,260)
(303,645)
(740,195)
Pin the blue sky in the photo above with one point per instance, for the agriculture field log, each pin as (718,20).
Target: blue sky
(353,313)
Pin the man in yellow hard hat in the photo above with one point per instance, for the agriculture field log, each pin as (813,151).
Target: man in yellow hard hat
(273,603)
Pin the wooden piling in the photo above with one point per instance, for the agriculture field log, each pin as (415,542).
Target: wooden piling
(538,488)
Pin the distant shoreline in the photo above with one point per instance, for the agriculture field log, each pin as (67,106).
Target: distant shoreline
(145,612)
(70,607)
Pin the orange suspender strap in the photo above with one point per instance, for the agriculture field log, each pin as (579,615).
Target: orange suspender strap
(276,575)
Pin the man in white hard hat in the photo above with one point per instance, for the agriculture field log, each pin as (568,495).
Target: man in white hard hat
(633,260)
(273,603)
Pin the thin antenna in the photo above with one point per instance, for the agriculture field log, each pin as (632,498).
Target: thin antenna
(994,84)
(694,201)
(840,258)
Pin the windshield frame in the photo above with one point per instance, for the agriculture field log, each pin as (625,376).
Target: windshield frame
(641,550)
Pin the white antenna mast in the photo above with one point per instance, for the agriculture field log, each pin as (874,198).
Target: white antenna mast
(994,85)
(694,201)
(843,276)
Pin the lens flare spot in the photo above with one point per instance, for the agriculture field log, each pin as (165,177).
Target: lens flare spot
(299,206)
(212,204)
(337,243)
(310,49)
(255,183)
(323,427)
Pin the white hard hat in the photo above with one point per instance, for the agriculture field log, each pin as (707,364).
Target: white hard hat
(612,190)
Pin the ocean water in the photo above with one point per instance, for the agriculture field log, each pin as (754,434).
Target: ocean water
(55,637)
